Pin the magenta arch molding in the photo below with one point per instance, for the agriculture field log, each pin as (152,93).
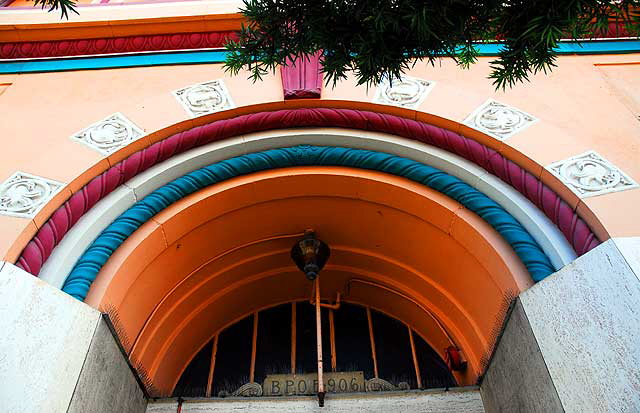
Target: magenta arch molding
(574,228)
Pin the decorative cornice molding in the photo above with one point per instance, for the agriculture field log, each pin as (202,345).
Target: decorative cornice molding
(574,228)
(114,45)
(96,256)
(199,56)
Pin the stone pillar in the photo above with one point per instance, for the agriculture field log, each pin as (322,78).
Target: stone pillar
(57,354)
(572,342)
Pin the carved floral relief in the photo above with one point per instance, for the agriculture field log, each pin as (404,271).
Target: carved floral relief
(499,120)
(408,92)
(590,174)
(204,98)
(23,195)
(110,134)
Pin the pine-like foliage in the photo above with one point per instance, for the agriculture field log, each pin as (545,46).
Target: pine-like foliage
(65,6)
(377,38)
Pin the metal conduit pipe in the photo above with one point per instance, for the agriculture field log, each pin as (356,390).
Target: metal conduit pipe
(406,297)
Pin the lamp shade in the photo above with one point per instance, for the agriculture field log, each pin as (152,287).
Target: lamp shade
(310,254)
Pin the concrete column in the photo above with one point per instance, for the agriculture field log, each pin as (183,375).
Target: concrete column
(572,342)
(57,354)
(106,382)
(517,379)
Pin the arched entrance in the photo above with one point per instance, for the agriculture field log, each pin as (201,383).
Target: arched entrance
(216,253)
(428,246)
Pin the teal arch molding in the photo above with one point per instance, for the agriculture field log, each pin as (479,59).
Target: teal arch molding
(95,257)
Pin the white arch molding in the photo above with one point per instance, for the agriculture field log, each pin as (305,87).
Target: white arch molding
(56,269)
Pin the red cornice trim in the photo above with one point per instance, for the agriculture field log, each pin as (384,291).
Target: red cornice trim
(614,30)
(114,45)
(300,82)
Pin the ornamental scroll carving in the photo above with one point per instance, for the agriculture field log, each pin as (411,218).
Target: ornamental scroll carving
(499,120)
(590,174)
(377,384)
(110,134)
(23,194)
(250,389)
(408,92)
(204,98)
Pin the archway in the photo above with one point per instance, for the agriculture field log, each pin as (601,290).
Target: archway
(478,150)
(467,312)
(423,259)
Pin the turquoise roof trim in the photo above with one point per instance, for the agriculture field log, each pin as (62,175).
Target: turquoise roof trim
(218,56)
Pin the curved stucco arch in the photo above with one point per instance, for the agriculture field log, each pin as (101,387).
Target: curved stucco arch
(570,224)
(80,236)
(549,219)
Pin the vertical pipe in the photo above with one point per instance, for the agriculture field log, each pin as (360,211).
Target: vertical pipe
(332,337)
(415,358)
(212,366)
(254,342)
(293,338)
(373,344)
(319,337)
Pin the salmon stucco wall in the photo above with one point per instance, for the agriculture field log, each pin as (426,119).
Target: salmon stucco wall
(576,109)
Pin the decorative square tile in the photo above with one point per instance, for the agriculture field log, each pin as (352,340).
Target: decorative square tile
(23,194)
(589,174)
(204,98)
(408,92)
(499,120)
(110,134)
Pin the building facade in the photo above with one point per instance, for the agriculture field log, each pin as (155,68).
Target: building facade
(485,250)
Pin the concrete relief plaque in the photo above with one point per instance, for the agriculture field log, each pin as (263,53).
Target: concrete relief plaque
(590,174)
(307,384)
(408,92)
(248,390)
(110,134)
(204,98)
(499,120)
(377,384)
(23,195)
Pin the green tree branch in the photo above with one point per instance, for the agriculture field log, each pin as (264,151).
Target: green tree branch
(384,38)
